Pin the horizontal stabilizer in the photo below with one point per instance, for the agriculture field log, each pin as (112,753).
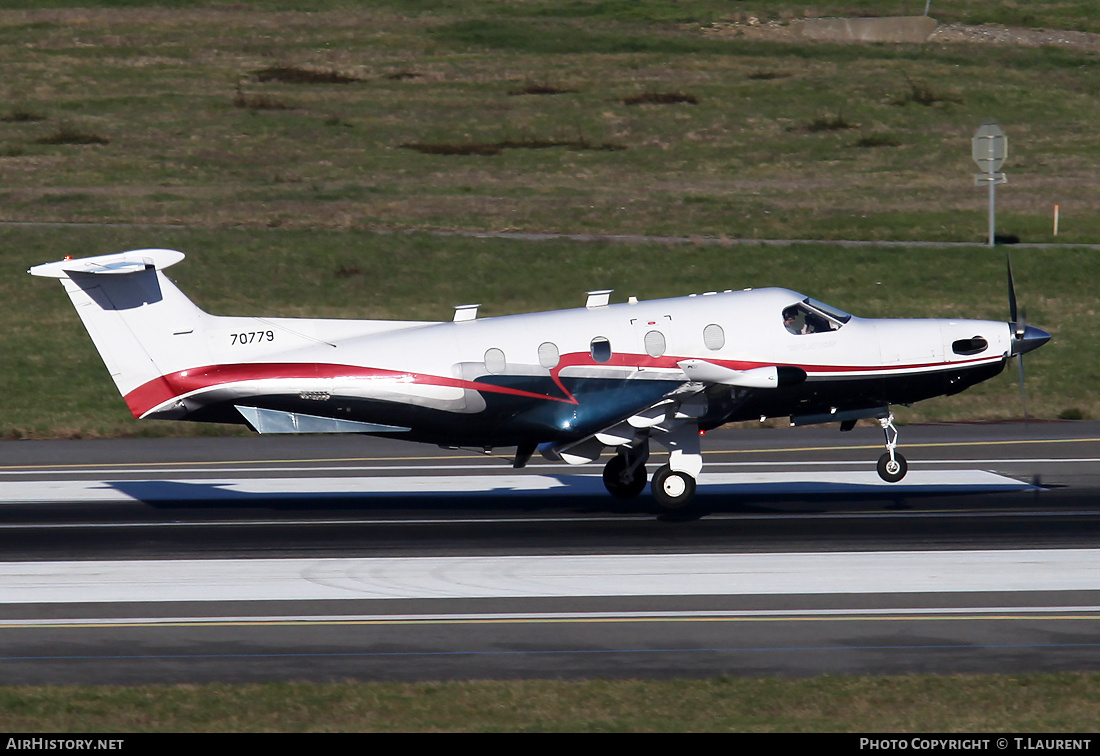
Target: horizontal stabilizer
(118,263)
(276,421)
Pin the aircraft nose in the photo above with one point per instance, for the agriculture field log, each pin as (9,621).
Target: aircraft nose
(1032,338)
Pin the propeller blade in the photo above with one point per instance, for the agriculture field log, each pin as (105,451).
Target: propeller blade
(1019,329)
(1011,291)
(1023,392)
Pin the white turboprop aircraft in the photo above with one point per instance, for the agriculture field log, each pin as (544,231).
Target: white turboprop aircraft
(569,383)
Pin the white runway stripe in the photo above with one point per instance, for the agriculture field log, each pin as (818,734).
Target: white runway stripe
(230,489)
(547,576)
(994,612)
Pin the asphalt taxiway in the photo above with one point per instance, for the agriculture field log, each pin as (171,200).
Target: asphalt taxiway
(335,557)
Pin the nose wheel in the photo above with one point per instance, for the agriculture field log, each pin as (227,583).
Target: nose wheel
(892,469)
(892,466)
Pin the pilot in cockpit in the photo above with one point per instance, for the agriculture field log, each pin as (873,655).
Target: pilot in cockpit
(789,319)
(801,320)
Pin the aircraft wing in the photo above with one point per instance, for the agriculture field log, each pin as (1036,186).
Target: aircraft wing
(682,407)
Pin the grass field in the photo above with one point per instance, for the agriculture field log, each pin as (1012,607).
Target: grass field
(267,133)
(1006,705)
(280,144)
(534,116)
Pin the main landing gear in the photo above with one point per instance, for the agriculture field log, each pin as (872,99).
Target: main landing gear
(673,484)
(624,476)
(892,466)
(672,490)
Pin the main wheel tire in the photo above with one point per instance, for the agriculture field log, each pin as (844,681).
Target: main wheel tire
(893,471)
(616,482)
(672,490)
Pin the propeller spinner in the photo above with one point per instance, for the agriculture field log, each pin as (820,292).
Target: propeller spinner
(1025,338)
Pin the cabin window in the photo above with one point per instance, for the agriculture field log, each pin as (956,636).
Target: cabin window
(655,343)
(969,346)
(714,337)
(601,349)
(494,361)
(549,356)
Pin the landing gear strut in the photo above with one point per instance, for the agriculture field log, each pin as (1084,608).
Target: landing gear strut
(892,466)
(673,485)
(624,475)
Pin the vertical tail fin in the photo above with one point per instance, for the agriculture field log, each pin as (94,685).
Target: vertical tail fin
(141,324)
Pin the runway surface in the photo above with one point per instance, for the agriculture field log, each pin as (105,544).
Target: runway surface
(268,558)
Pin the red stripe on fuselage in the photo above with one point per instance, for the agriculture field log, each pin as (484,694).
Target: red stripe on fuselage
(168,387)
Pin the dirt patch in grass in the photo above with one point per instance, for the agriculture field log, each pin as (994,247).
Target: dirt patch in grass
(829,122)
(72,135)
(768,75)
(878,140)
(495,148)
(22,116)
(296,75)
(922,94)
(247,101)
(540,89)
(661,98)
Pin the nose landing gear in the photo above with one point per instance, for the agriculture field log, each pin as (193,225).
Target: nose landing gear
(892,466)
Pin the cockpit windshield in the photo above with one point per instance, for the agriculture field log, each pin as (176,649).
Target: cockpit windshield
(811,316)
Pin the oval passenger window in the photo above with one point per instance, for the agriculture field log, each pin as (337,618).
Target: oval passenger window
(601,349)
(655,343)
(714,337)
(549,356)
(494,361)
